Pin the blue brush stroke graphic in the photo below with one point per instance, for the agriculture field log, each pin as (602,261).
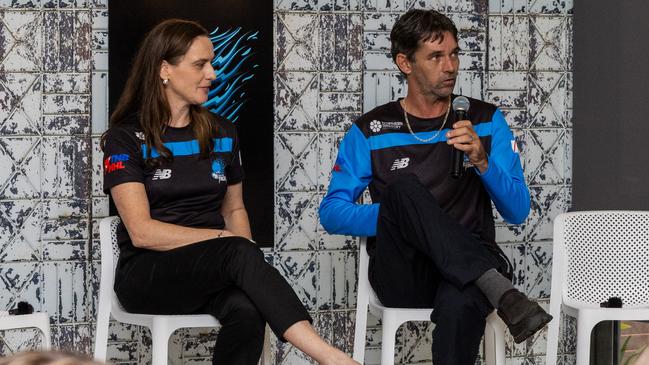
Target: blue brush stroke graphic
(234,68)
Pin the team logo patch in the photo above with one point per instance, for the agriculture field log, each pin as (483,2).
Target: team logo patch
(218,170)
(375,126)
(337,165)
(161,174)
(115,162)
(400,163)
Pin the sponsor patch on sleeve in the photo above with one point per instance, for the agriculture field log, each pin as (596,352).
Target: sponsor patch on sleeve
(115,162)
(337,166)
(515,146)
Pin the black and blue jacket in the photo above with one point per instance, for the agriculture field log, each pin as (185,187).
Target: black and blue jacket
(379,146)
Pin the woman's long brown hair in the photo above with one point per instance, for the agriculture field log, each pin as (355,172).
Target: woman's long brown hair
(144,91)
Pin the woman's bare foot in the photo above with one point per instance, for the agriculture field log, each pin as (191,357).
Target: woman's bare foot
(304,337)
(339,358)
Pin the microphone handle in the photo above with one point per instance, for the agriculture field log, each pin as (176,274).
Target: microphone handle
(457,156)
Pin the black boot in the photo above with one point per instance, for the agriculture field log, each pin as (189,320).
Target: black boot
(522,316)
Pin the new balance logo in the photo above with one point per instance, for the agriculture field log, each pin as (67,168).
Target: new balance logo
(400,163)
(161,174)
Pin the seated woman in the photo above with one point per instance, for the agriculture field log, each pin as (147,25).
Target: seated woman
(174,172)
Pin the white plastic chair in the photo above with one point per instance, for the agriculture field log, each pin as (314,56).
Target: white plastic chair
(161,326)
(34,320)
(598,255)
(392,318)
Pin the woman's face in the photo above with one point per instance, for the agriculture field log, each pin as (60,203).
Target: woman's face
(190,79)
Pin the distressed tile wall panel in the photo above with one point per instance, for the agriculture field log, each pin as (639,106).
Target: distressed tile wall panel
(45,158)
(318,93)
(331,64)
(20,101)
(340,42)
(20,47)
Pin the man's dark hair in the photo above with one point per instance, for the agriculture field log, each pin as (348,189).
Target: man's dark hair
(418,25)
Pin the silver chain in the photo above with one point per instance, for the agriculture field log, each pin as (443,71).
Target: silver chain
(405,117)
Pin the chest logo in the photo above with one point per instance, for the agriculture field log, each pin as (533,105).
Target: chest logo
(400,163)
(375,126)
(161,174)
(218,170)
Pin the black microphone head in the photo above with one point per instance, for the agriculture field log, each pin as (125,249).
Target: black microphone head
(461,103)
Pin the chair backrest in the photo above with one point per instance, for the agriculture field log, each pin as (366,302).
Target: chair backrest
(603,254)
(109,256)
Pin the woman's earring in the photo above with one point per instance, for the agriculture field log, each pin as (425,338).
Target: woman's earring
(165,81)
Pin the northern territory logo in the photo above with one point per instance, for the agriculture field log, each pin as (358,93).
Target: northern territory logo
(377,125)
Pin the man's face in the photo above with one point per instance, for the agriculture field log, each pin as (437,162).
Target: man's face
(434,67)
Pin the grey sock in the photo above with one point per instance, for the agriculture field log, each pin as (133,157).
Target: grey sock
(493,285)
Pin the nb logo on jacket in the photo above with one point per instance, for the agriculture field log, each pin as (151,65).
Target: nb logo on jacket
(400,163)
(161,174)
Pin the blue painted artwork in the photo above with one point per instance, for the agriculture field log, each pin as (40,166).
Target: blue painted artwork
(234,67)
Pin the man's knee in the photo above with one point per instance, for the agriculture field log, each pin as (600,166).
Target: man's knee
(467,305)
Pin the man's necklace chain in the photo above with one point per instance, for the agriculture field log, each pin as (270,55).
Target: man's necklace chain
(405,117)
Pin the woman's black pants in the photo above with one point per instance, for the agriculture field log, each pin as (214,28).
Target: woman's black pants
(225,277)
(425,259)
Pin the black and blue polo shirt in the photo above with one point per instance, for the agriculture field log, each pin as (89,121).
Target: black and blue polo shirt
(378,147)
(188,190)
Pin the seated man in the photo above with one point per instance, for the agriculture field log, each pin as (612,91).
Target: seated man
(434,243)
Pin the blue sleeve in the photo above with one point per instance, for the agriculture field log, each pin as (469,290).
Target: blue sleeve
(504,178)
(339,212)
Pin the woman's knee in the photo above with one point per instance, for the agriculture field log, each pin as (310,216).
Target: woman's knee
(238,308)
(240,248)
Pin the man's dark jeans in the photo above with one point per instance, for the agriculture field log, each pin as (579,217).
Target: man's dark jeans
(423,258)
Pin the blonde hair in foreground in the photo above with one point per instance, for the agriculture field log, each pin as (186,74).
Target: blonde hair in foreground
(46,358)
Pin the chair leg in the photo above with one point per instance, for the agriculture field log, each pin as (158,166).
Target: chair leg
(101,336)
(360,332)
(500,343)
(585,326)
(265,352)
(553,339)
(389,328)
(160,333)
(43,323)
(489,346)
(494,340)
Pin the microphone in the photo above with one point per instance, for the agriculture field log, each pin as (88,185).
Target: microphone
(460,108)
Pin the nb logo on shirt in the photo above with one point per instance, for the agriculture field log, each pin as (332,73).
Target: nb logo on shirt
(161,174)
(400,163)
